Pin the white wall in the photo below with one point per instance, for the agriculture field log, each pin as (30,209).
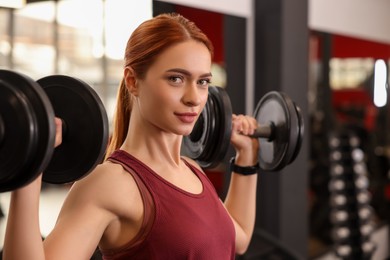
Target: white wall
(367,19)
(241,8)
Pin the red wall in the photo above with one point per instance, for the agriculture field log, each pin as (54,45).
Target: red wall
(349,47)
(344,47)
(210,23)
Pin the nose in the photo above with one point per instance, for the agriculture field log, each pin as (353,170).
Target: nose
(192,96)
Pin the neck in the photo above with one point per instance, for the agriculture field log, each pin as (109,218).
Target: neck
(152,145)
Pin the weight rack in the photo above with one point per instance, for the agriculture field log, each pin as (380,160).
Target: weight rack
(351,214)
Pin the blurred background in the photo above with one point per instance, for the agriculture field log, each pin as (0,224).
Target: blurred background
(331,57)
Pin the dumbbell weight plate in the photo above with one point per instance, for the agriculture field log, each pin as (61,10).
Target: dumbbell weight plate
(276,153)
(24,150)
(297,129)
(209,140)
(301,125)
(85,128)
(220,138)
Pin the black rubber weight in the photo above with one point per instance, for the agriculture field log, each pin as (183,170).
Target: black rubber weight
(85,134)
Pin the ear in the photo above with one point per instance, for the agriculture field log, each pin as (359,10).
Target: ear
(131,81)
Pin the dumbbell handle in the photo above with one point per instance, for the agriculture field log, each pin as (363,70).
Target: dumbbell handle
(264,131)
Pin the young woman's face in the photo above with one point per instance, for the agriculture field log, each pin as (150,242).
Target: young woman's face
(175,89)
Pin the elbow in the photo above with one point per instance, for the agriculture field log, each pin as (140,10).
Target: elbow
(243,246)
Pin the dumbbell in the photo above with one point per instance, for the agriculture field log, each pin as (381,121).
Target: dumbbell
(280,130)
(27,129)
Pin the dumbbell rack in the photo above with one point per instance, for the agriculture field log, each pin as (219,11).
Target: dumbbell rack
(350,212)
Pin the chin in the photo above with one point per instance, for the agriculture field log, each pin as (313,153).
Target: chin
(185,132)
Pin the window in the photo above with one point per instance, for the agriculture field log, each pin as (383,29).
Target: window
(83,39)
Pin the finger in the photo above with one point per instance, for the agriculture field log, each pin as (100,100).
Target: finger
(247,125)
(244,124)
(253,125)
(237,124)
(58,138)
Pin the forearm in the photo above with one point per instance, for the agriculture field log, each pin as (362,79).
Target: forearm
(241,204)
(23,237)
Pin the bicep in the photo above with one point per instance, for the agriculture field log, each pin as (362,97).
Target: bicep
(76,234)
(79,227)
(241,237)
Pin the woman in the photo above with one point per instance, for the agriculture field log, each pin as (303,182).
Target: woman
(146,201)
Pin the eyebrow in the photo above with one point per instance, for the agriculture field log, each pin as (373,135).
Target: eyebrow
(187,73)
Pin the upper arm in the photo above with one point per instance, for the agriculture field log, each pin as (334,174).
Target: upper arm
(83,218)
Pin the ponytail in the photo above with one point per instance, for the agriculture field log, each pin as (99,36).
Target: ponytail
(121,118)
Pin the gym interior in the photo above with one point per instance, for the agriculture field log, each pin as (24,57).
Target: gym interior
(332,199)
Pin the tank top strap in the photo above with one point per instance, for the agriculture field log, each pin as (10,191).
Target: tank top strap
(202,176)
(149,208)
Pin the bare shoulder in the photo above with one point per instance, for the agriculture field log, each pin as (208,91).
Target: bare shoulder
(105,177)
(106,187)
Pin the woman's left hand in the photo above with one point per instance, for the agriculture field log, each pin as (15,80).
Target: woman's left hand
(247,148)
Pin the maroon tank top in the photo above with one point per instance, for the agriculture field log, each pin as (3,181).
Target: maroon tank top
(177,224)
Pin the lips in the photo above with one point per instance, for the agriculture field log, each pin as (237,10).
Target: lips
(187,117)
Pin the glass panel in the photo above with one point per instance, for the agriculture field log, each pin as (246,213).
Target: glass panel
(121,18)
(5,46)
(34,53)
(80,40)
(91,40)
(83,50)
(350,72)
